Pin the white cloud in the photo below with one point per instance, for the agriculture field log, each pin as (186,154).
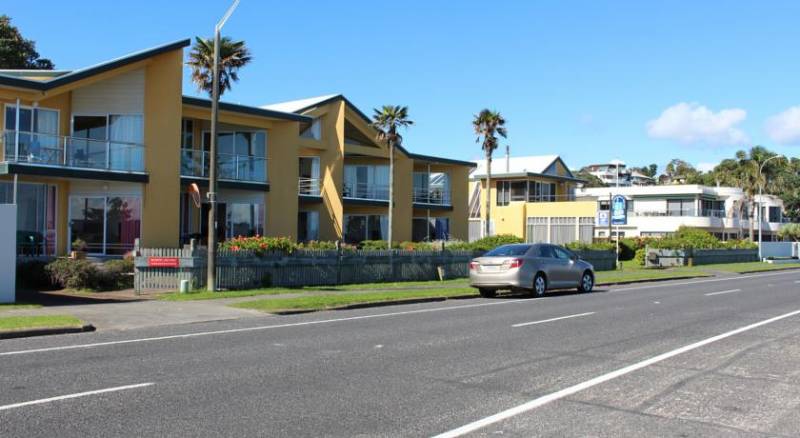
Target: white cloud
(706,167)
(694,123)
(784,128)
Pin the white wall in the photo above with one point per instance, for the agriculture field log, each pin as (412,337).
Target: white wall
(8,253)
(123,94)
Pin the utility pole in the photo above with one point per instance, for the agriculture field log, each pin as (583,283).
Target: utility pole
(211,279)
(761,201)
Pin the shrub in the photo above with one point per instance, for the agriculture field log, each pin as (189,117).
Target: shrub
(373,245)
(492,242)
(594,246)
(317,245)
(31,274)
(72,273)
(639,257)
(259,245)
(116,274)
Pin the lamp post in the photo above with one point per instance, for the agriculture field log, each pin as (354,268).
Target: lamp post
(761,200)
(211,279)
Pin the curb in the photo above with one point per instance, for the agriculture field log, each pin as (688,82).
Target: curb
(375,304)
(790,268)
(46,331)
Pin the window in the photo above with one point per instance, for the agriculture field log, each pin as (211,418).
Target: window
(314,130)
(430,229)
(503,189)
(244,220)
(366,181)
(241,154)
(541,192)
(508,251)
(519,190)
(106,224)
(309,176)
(307,226)
(561,253)
(187,134)
(546,251)
(680,207)
(775,214)
(36,216)
(38,130)
(365,227)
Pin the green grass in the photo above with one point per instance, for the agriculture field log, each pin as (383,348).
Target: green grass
(15,323)
(206,295)
(321,302)
(633,272)
(19,306)
(749,267)
(395,285)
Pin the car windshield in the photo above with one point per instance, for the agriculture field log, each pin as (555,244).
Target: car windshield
(508,251)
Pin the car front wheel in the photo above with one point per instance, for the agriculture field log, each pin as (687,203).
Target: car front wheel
(587,282)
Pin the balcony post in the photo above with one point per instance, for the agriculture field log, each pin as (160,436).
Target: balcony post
(108,155)
(16,133)
(64,151)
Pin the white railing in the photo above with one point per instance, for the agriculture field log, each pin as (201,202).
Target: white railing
(62,151)
(308,186)
(195,162)
(378,192)
(433,196)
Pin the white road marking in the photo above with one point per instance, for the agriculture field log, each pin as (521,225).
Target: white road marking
(258,328)
(729,291)
(553,319)
(69,396)
(712,280)
(538,402)
(352,318)
(797,281)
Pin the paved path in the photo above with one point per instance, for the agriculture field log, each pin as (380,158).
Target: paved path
(644,360)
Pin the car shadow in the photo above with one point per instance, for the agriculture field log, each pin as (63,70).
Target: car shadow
(549,294)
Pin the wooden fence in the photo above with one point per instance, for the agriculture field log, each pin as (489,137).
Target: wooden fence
(164,268)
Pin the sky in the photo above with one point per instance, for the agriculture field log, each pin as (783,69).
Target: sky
(592,81)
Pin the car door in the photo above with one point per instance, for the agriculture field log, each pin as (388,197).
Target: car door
(572,273)
(552,266)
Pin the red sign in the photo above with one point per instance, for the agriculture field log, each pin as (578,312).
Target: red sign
(163,262)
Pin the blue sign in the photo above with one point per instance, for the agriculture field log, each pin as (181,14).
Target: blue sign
(602,218)
(619,211)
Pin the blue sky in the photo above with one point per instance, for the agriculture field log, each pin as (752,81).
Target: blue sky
(591,80)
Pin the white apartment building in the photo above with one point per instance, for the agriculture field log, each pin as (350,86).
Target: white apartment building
(657,211)
(616,173)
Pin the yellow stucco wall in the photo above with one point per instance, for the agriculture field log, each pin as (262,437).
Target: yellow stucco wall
(562,209)
(283,174)
(162,135)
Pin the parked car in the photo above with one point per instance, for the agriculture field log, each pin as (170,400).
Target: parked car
(533,267)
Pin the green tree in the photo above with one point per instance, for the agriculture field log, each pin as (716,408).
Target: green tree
(790,232)
(233,55)
(590,180)
(16,52)
(387,121)
(487,125)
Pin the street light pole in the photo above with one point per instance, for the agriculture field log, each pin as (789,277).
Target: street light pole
(211,279)
(761,200)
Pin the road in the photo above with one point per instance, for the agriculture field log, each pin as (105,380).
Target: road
(711,357)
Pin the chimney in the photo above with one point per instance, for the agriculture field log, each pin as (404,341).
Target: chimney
(508,159)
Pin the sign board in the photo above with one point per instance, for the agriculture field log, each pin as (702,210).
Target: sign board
(163,262)
(602,218)
(619,211)
(8,253)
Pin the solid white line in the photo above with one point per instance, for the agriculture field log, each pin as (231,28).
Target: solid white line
(729,291)
(69,396)
(797,281)
(353,318)
(533,404)
(552,319)
(264,327)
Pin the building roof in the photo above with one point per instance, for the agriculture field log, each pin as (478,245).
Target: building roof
(295,106)
(14,78)
(253,110)
(517,165)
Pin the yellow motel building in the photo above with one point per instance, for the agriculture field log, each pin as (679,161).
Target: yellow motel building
(106,155)
(532,197)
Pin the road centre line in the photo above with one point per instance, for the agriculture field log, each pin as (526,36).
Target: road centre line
(351,318)
(71,396)
(553,319)
(541,401)
(729,291)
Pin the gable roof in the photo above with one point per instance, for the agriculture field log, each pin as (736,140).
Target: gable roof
(524,166)
(253,110)
(12,78)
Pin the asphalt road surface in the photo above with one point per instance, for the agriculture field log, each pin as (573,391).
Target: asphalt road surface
(713,357)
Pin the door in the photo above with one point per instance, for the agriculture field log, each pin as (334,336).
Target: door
(222,214)
(87,222)
(560,267)
(571,273)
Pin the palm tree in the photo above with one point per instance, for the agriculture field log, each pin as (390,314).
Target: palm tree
(386,121)
(487,125)
(233,55)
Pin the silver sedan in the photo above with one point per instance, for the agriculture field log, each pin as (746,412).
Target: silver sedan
(534,267)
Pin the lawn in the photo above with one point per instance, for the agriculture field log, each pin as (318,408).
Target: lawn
(749,267)
(326,301)
(14,323)
(19,306)
(633,272)
(206,295)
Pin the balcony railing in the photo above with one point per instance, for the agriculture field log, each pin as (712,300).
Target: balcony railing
(80,153)
(308,186)
(378,192)
(433,196)
(195,162)
(667,213)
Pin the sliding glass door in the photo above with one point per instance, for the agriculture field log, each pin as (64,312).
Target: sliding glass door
(107,225)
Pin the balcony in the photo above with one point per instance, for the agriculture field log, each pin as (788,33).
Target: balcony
(232,167)
(431,196)
(35,149)
(367,191)
(308,186)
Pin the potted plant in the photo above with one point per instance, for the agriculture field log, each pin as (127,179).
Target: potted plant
(79,248)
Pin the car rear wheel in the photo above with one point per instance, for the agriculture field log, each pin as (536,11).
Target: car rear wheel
(539,285)
(587,282)
(487,293)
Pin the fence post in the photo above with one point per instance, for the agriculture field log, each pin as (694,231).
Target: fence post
(338,262)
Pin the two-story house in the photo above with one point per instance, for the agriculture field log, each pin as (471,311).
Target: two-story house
(106,154)
(531,197)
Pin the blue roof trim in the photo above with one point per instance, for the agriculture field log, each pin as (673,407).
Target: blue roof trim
(93,70)
(253,110)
